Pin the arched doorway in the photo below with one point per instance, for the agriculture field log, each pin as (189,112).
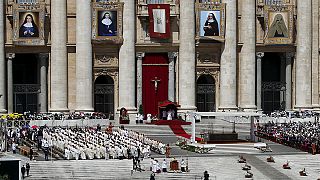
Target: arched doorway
(104,94)
(206,90)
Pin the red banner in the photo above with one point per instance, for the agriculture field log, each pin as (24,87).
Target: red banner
(159,18)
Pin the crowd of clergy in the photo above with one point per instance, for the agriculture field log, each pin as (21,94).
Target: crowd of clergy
(86,143)
(91,143)
(300,135)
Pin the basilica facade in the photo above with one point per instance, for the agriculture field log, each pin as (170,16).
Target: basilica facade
(205,55)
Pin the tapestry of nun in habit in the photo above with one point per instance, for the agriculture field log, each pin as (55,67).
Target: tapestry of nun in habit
(92,144)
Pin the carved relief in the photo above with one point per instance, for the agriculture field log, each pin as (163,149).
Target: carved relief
(214,72)
(208,58)
(106,72)
(106,60)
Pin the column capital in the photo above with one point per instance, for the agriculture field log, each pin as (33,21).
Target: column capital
(172,55)
(260,55)
(290,54)
(43,55)
(140,55)
(10,55)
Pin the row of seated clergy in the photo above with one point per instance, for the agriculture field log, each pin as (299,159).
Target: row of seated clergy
(92,144)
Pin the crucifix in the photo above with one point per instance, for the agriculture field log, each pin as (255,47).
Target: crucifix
(156,81)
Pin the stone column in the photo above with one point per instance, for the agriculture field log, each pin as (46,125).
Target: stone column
(59,61)
(315,55)
(171,82)
(10,57)
(139,56)
(248,56)
(304,45)
(289,80)
(84,76)
(228,67)
(127,59)
(3,93)
(43,98)
(259,82)
(187,64)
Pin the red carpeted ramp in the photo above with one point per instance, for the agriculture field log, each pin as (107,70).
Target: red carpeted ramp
(171,122)
(176,127)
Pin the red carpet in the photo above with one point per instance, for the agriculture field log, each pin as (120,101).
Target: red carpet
(176,127)
(171,122)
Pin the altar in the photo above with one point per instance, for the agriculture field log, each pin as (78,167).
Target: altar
(174,165)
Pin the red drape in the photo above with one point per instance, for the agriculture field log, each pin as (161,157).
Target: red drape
(154,67)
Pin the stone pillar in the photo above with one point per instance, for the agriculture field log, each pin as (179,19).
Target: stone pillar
(10,57)
(228,67)
(171,83)
(139,56)
(289,80)
(59,61)
(315,55)
(248,56)
(43,98)
(3,93)
(127,59)
(84,76)
(304,45)
(187,64)
(259,82)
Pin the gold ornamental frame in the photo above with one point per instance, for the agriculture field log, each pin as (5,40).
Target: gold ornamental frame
(284,12)
(205,8)
(37,11)
(112,7)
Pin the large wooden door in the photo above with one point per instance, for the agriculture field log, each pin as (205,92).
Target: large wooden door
(154,81)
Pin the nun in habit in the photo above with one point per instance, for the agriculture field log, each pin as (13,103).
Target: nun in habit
(278,27)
